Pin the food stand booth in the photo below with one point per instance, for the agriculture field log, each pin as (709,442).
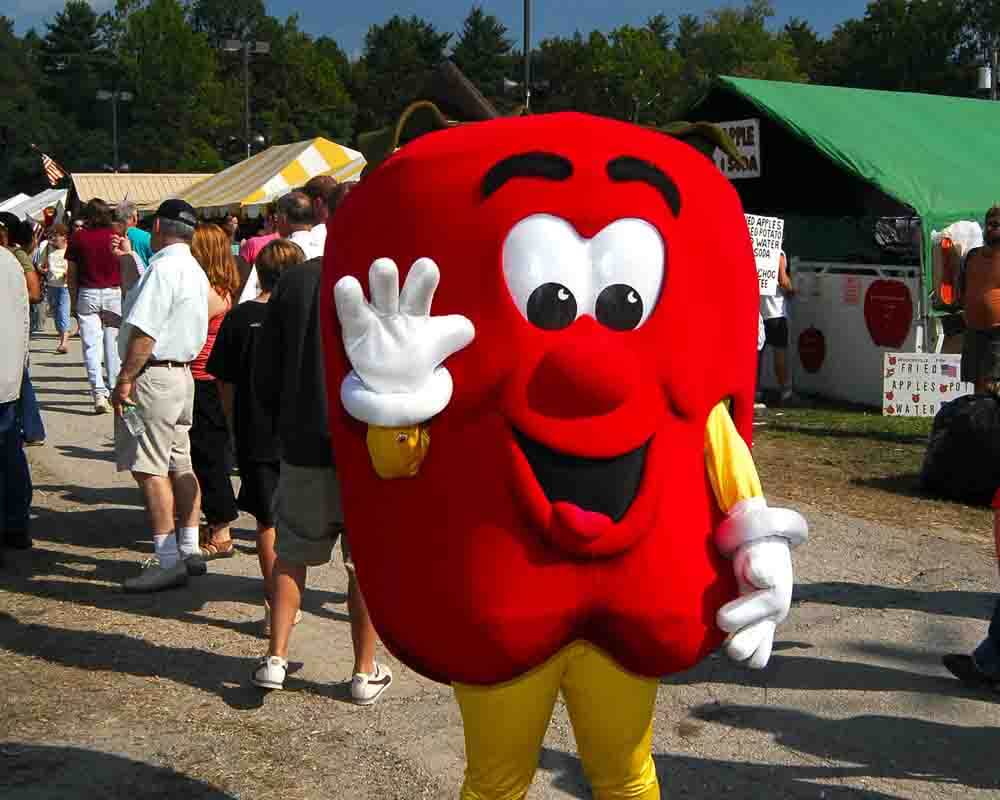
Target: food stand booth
(862,179)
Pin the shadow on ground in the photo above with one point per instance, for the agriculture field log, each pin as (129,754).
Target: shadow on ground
(948,603)
(807,673)
(869,747)
(40,772)
(208,671)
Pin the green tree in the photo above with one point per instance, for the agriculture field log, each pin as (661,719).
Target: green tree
(179,104)
(628,73)
(807,47)
(28,118)
(734,41)
(298,89)
(74,62)
(220,20)
(393,68)
(901,46)
(483,52)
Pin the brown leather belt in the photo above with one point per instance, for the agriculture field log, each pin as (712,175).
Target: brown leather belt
(155,363)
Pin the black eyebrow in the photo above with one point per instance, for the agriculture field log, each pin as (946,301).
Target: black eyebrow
(627,168)
(526,165)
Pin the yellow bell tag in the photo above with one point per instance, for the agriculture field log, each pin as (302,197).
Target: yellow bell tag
(398,452)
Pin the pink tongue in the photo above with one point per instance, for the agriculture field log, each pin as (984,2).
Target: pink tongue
(587,524)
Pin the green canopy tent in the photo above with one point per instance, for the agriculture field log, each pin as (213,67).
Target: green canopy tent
(835,160)
(913,153)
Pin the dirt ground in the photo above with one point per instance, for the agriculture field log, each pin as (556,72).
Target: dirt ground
(109,696)
(868,471)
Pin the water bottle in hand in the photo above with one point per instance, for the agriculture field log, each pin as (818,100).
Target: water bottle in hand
(132,417)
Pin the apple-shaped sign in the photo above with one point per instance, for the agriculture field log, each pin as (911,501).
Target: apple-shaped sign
(888,312)
(812,349)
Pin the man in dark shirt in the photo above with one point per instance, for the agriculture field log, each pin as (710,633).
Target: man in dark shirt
(94,277)
(290,384)
(232,362)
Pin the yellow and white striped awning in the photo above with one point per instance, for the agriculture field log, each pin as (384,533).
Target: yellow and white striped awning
(268,175)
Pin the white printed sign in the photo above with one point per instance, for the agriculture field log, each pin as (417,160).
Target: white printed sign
(767,234)
(916,384)
(745,134)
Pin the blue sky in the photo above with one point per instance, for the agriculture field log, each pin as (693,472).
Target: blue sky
(347,20)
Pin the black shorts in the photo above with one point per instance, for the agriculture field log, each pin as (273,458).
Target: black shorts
(258,482)
(981,355)
(776,332)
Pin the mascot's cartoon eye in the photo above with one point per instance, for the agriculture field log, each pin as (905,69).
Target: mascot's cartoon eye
(555,275)
(629,267)
(619,307)
(551,307)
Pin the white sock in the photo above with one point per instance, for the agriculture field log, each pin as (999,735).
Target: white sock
(166,549)
(187,541)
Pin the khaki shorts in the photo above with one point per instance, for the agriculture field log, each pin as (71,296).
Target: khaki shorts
(165,396)
(308,516)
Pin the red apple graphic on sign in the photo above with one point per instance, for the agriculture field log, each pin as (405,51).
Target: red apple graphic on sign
(888,312)
(944,388)
(916,398)
(890,395)
(890,410)
(812,349)
(892,361)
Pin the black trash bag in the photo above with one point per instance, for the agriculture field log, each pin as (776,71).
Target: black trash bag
(963,455)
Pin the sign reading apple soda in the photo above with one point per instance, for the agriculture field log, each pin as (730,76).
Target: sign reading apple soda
(745,134)
(767,234)
(916,384)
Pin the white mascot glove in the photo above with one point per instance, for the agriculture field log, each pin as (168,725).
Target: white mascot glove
(759,539)
(396,347)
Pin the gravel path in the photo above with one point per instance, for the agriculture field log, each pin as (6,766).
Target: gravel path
(113,696)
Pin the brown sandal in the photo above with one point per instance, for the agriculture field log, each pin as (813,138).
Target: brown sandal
(212,550)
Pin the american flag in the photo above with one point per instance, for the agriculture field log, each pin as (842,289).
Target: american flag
(949,370)
(53,171)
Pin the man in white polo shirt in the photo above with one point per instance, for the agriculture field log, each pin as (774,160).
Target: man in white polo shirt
(295,220)
(164,326)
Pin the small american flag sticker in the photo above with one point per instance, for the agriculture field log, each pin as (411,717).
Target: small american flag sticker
(949,370)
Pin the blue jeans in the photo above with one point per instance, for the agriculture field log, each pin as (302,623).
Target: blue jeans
(987,655)
(15,479)
(31,415)
(59,306)
(36,317)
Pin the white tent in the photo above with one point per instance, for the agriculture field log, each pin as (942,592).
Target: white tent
(13,201)
(34,207)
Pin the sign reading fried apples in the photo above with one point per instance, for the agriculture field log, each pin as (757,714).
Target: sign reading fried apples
(917,384)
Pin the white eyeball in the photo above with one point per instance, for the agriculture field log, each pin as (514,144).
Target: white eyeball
(546,266)
(629,262)
(555,276)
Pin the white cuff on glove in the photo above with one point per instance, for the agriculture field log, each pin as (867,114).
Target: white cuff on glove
(397,410)
(751,519)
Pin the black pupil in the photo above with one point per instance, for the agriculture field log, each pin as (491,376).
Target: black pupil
(551,307)
(619,307)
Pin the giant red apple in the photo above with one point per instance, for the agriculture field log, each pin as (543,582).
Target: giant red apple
(610,277)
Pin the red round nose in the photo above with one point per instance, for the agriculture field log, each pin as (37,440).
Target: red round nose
(586,375)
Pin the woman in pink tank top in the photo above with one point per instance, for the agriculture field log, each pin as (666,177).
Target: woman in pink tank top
(211,449)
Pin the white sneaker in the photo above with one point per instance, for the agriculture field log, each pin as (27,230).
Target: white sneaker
(270,673)
(366,689)
(267,618)
(102,406)
(155,578)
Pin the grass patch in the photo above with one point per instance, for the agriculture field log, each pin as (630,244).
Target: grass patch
(857,462)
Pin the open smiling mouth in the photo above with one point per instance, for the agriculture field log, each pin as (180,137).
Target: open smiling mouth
(605,486)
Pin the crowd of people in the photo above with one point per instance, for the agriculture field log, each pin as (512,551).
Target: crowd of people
(208,351)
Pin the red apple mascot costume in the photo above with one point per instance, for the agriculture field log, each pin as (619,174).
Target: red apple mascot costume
(544,487)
